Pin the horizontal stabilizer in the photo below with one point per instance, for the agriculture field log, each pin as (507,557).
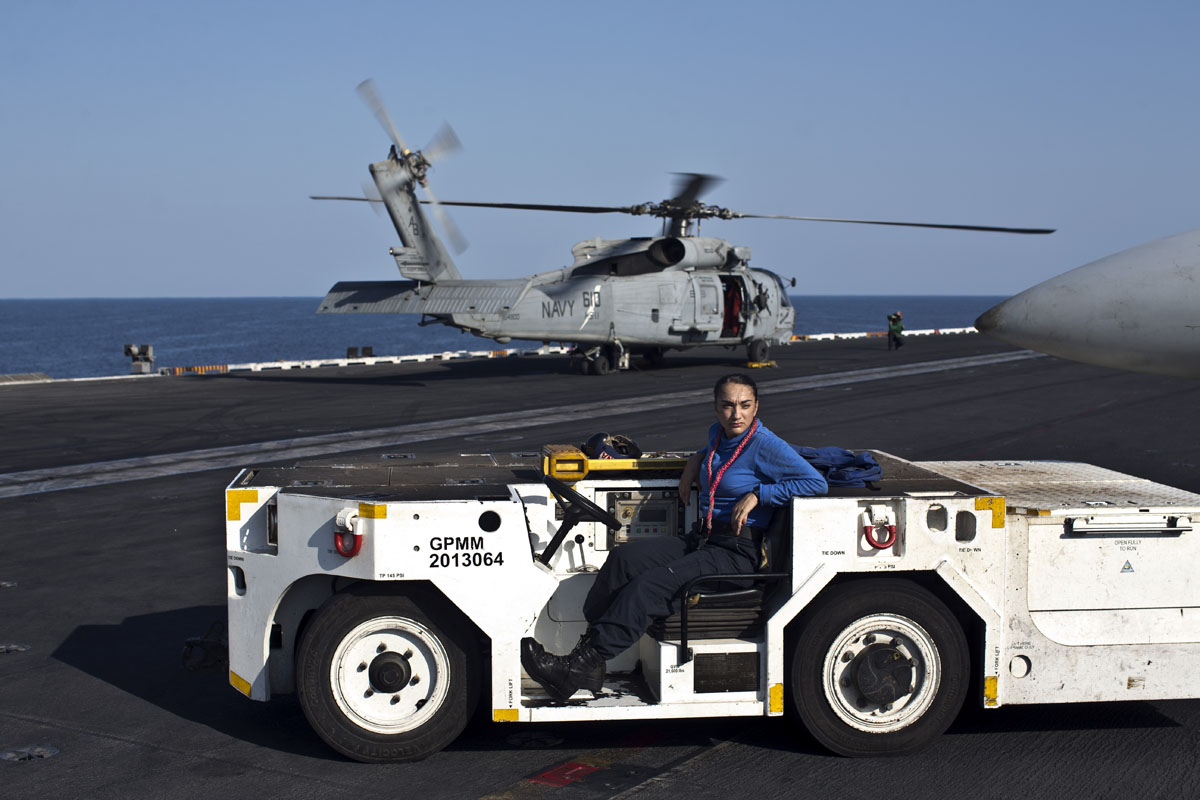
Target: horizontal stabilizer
(411,297)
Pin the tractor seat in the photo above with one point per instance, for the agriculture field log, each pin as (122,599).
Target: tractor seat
(710,613)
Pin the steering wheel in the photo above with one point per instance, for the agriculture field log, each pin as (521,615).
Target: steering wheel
(576,509)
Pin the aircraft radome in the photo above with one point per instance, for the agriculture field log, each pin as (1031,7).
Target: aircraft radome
(1136,310)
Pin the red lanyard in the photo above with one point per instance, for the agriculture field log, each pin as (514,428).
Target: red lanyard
(712,484)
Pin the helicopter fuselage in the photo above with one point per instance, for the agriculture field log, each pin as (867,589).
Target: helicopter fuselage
(671,308)
(675,308)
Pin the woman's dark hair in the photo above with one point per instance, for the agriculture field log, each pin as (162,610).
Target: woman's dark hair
(738,378)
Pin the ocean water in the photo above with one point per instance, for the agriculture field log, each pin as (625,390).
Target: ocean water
(86,338)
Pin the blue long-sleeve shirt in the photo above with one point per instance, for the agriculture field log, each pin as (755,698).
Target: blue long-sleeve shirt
(768,464)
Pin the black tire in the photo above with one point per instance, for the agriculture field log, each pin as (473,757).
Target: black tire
(601,365)
(656,356)
(835,686)
(758,350)
(398,704)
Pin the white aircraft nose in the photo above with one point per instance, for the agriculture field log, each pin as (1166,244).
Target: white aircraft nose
(1138,310)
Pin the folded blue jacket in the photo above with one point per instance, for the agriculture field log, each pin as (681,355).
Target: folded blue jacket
(842,467)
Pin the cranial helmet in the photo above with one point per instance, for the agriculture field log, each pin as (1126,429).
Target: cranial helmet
(603,445)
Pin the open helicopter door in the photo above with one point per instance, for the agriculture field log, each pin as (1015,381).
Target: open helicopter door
(706,291)
(735,294)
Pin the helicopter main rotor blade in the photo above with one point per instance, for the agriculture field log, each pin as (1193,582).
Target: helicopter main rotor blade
(345,197)
(994,229)
(690,186)
(517,206)
(370,195)
(457,240)
(369,95)
(711,212)
(545,207)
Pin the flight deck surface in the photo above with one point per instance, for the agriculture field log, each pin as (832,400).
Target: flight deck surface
(111,507)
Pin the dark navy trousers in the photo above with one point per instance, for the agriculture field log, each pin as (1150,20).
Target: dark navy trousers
(640,581)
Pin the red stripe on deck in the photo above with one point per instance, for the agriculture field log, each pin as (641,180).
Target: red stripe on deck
(564,774)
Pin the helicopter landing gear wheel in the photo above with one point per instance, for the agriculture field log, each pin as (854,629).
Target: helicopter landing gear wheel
(758,350)
(601,365)
(655,356)
(881,668)
(387,678)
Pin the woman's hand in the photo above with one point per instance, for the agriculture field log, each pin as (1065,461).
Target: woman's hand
(742,510)
(691,472)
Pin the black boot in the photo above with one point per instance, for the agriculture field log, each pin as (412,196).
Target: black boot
(562,676)
(547,669)
(587,666)
(531,649)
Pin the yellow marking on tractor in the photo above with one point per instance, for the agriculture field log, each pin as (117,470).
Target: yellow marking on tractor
(989,690)
(993,504)
(239,683)
(372,510)
(775,703)
(233,502)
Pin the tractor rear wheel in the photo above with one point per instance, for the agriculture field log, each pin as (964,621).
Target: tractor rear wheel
(385,678)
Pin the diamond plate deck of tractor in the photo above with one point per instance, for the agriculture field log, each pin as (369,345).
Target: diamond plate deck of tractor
(1058,485)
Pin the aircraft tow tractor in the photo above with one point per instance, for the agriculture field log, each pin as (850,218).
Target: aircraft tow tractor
(391,594)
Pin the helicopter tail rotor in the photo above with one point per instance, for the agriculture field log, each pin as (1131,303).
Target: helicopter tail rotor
(370,96)
(457,241)
(444,144)
(371,195)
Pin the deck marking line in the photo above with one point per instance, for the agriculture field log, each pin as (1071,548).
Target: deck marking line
(100,473)
(577,768)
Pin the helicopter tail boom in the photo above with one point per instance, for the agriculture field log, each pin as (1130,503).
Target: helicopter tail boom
(422,258)
(413,297)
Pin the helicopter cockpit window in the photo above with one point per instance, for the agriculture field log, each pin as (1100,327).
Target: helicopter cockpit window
(784,300)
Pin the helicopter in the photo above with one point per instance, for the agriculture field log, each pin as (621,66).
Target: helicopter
(618,298)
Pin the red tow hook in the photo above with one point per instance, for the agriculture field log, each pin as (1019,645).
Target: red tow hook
(869,527)
(869,532)
(345,539)
(347,543)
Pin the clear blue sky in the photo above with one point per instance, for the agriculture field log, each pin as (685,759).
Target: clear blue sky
(168,149)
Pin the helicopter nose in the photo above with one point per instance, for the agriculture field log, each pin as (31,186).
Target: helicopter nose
(1138,310)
